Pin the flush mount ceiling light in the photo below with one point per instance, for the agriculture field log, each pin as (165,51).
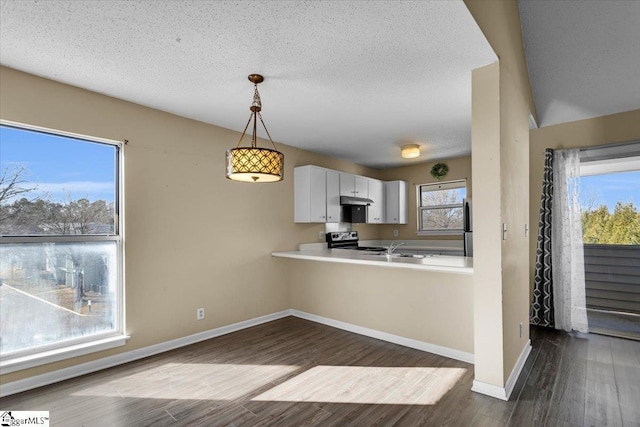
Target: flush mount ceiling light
(410,151)
(253,164)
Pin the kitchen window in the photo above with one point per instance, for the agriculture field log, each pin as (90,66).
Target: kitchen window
(441,207)
(61,260)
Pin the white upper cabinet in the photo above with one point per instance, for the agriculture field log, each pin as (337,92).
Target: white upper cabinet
(333,196)
(375,211)
(353,185)
(316,195)
(396,202)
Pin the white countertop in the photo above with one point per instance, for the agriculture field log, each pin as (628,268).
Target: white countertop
(442,263)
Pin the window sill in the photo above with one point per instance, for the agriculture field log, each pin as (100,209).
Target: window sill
(42,358)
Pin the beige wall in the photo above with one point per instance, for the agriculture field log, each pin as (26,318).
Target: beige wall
(514,178)
(417,174)
(431,307)
(500,23)
(487,257)
(603,130)
(193,238)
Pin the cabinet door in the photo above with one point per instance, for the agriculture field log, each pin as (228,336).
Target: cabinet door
(403,202)
(375,212)
(333,196)
(396,203)
(347,184)
(318,195)
(361,186)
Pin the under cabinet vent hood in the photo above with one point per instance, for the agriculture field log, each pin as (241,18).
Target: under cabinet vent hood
(355,201)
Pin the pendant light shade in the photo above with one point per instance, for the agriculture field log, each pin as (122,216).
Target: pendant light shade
(410,151)
(254,164)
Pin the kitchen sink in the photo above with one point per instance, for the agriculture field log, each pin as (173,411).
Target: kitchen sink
(409,256)
(398,255)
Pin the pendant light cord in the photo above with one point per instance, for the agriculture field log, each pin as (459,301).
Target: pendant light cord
(256,106)
(265,128)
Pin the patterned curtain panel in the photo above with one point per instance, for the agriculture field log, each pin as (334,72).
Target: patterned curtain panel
(541,312)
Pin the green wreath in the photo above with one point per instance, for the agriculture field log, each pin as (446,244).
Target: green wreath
(439,171)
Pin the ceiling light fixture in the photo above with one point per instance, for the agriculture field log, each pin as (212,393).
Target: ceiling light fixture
(253,164)
(410,151)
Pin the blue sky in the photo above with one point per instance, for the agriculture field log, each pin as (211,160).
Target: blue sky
(608,189)
(59,166)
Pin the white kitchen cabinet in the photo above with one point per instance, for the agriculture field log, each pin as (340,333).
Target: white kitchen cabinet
(353,185)
(316,195)
(375,211)
(396,202)
(333,196)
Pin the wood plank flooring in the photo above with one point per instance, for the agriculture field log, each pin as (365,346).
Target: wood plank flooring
(292,372)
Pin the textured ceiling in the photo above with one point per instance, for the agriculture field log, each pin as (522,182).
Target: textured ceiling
(583,57)
(351,79)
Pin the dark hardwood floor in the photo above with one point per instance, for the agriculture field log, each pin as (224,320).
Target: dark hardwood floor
(293,372)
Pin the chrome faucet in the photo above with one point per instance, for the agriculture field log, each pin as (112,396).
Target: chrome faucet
(392,247)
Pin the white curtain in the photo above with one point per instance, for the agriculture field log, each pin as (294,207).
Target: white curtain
(569,299)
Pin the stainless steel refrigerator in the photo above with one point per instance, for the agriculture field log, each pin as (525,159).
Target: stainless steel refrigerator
(468,228)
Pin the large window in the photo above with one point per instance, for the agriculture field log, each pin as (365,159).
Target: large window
(441,207)
(60,246)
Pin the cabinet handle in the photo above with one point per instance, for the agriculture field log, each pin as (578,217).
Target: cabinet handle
(323,216)
(330,217)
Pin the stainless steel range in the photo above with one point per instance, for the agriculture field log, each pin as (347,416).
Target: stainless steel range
(349,240)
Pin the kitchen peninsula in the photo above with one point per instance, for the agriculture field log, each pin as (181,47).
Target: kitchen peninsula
(424,303)
(442,263)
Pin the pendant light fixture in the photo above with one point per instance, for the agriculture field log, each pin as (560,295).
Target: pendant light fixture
(410,151)
(253,164)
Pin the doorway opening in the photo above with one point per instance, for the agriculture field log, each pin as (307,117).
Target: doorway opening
(610,199)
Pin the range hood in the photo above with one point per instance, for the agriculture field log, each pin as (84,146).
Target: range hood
(354,201)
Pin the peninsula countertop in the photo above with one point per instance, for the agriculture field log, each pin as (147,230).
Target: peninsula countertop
(441,263)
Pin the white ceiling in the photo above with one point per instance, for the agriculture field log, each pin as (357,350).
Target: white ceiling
(583,57)
(351,79)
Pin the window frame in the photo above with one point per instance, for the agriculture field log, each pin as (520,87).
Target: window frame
(28,358)
(446,185)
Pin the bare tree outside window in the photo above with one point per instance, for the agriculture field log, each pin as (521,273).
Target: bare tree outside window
(441,207)
(12,185)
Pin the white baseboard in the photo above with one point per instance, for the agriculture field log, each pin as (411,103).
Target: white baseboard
(129,356)
(517,369)
(500,392)
(489,390)
(384,336)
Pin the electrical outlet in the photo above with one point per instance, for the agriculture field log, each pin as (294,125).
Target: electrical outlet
(320,235)
(395,233)
(200,313)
